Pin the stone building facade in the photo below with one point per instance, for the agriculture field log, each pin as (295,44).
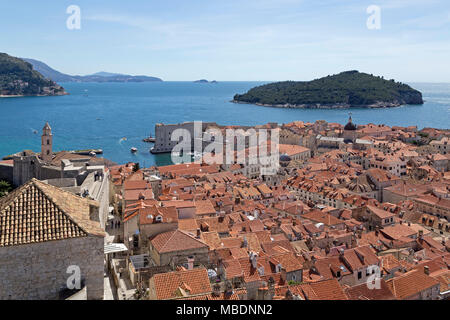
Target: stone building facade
(175,247)
(40,271)
(47,237)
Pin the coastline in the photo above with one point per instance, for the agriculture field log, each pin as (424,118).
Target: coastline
(32,95)
(378,105)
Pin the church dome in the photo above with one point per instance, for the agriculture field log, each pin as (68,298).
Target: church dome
(285,158)
(350,126)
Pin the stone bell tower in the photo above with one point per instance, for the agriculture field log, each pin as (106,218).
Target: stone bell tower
(46,143)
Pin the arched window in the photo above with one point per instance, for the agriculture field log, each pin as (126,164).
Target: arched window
(48,141)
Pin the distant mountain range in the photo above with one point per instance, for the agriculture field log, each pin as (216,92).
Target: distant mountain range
(102,76)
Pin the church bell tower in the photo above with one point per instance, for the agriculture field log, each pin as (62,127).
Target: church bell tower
(46,143)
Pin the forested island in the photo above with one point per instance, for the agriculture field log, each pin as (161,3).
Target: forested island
(346,89)
(17,78)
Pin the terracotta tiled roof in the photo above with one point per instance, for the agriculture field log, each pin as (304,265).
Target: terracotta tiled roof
(176,241)
(37,212)
(233,269)
(398,231)
(63,155)
(321,217)
(250,273)
(189,225)
(410,284)
(288,261)
(389,262)
(191,282)
(443,276)
(136,185)
(212,239)
(322,290)
(291,150)
(157,214)
(134,195)
(204,207)
(380,213)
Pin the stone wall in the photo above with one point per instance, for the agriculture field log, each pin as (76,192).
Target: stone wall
(6,172)
(178,257)
(39,271)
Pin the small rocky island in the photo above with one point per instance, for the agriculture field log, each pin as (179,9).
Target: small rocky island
(17,78)
(344,90)
(204,81)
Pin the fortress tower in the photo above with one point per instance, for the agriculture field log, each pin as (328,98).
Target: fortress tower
(46,143)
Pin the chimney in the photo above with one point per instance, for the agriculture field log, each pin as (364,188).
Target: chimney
(216,290)
(283,274)
(253,260)
(401,221)
(426,270)
(198,234)
(190,260)
(420,234)
(289,295)
(228,288)
(377,230)
(409,224)
(245,243)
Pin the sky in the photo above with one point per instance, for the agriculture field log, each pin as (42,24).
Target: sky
(234,40)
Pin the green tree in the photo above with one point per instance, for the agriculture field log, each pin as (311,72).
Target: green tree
(5,188)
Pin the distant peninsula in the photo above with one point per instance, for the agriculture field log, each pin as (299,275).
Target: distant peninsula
(102,76)
(343,90)
(17,79)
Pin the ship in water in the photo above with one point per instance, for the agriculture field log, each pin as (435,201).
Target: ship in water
(149,139)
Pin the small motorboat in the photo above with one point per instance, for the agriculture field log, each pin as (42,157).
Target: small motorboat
(35,131)
(149,139)
(92,154)
(134,150)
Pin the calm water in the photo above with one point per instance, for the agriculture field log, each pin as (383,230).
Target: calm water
(98,115)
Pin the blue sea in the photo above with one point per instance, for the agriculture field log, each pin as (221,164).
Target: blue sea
(99,115)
